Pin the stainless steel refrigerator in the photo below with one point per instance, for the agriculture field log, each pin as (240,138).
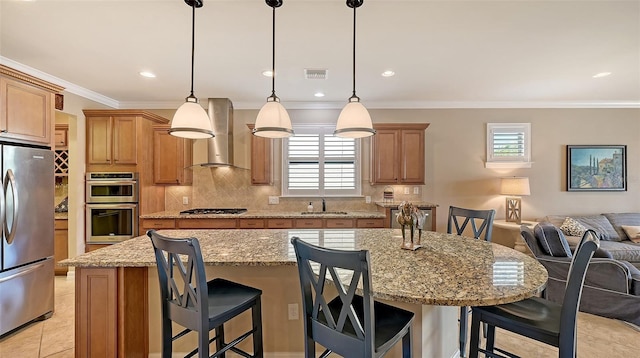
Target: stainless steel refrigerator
(26,253)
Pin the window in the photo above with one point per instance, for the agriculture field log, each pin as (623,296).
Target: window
(317,163)
(508,145)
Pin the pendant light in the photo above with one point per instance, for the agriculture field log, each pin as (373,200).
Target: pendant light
(273,120)
(354,120)
(191,120)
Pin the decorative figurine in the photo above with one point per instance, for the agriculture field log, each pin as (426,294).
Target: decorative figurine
(413,217)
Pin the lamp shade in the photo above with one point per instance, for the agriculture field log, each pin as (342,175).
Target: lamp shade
(273,121)
(354,121)
(515,186)
(191,121)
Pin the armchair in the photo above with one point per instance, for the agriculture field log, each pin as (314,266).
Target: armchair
(611,288)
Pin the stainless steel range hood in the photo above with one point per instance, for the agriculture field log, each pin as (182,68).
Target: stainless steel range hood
(220,147)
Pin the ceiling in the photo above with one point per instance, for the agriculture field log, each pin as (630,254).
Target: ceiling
(446,54)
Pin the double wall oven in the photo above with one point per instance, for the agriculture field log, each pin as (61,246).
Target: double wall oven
(111,207)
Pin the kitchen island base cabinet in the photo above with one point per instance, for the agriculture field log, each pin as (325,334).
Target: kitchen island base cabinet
(118,314)
(60,245)
(111,312)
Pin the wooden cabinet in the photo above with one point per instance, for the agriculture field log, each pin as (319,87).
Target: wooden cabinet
(60,245)
(157,224)
(61,136)
(26,107)
(397,154)
(120,139)
(111,140)
(309,223)
(171,158)
(261,159)
(251,224)
(339,223)
(279,223)
(369,223)
(109,318)
(61,152)
(222,223)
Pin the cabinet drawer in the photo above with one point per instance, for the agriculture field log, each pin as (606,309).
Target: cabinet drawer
(207,223)
(370,223)
(309,223)
(339,223)
(251,223)
(61,224)
(158,223)
(280,223)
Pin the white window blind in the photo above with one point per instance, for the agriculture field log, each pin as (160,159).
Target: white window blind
(316,163)
(508,145)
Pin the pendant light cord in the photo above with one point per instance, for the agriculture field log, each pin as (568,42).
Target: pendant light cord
(193,42)
(273,56)
(353,96)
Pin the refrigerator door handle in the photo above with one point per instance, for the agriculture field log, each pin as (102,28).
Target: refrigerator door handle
(2,212)
(11,180)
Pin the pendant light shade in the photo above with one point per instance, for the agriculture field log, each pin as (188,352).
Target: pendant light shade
(354,120)
(273,120)
(190,120)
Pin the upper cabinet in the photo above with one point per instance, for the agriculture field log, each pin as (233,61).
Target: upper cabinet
(119,139)
(261,163)
(61,146)
(27,107)
(171,157)
(397,153)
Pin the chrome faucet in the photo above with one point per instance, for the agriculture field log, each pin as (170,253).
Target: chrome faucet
(324,205)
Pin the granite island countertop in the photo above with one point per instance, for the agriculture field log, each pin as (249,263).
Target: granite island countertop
(264,214)
(448,270)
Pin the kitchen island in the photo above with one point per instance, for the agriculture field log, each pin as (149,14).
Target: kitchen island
(118,309)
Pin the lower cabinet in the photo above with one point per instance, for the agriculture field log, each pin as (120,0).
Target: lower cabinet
(259,223)
(60,245)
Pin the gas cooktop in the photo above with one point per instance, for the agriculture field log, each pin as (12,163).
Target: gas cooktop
(213,211)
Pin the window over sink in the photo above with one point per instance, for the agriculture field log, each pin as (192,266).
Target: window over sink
(317,163)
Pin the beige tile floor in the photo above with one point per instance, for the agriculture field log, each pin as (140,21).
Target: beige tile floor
(53,338)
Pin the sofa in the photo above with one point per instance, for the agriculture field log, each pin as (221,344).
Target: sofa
(610,228)
(612,286)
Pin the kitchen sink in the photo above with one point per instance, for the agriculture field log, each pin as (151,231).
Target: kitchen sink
(324,213)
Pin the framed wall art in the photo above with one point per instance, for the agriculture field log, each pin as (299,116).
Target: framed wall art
(596,167)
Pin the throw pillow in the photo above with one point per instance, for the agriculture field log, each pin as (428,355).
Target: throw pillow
(633,232)
(572,227)
(619,219)
(552,240)
(601,225)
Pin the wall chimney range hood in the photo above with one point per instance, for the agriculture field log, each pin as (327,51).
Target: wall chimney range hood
(220,147)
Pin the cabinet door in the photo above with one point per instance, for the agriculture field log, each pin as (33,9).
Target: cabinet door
(385,156)
(171,157)
(99,140)
(260,160)
(61,140)
(412,156)
(124,140)
(61,245)
(26,112)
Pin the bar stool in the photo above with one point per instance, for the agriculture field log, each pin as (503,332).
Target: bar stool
(200,305)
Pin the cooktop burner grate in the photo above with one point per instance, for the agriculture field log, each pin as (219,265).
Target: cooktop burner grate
(213,211)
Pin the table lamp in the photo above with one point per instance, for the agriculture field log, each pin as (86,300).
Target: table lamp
(514,188)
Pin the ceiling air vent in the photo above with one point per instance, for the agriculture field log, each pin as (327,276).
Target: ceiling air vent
(315,74)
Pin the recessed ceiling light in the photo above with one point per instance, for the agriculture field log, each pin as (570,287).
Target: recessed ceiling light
(601,74)
(388,73)
(147,74)
(319,94)
(267,73)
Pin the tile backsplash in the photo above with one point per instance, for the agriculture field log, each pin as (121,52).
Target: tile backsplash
(231,188)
